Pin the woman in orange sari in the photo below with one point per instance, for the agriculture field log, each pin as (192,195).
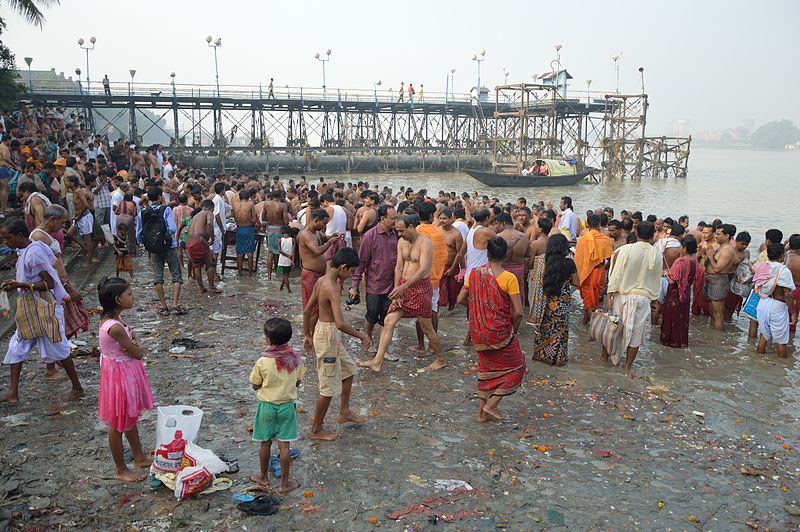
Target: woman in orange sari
(495,311)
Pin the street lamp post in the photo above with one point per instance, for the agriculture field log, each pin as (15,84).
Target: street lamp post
(479,60)
(88,48)
(505,76)
(616,58)
(555,66)
(132,72)
(323,60)
(212,43)
(641,72)
(588,83)
(172,75)
(375,86)
(29,60)
(78,73)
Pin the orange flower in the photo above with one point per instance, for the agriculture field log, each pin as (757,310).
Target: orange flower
(373,520)
(490,452)
(299,409)
(308,494)
(786,446)
(543,448)
(545,415)
(373,413)
(466,373)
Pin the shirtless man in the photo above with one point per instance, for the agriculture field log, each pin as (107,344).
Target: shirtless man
(720,265)
(335,367)
(449,287)
(518,253)
(312,244)
(274,215)
(793,263)
(542,235)
(366,216)
(246,223)
(84,220)
(411,297)
(615,234)
(199,240)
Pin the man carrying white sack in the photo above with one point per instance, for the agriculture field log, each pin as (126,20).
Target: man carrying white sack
(774,283)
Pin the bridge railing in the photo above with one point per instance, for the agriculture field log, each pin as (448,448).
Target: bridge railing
(380,94)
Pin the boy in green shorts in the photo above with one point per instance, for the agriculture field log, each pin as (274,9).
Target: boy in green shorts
(275,377)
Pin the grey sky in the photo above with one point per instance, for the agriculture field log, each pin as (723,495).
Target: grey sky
(714,63)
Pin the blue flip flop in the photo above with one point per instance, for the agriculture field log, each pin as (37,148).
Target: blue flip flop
(275,461)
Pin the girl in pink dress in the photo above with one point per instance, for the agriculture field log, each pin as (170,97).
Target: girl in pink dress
(124,388)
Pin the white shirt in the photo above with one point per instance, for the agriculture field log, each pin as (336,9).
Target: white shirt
(570,221)
(462,227)
(116,198)
(165,173)
(338,222)
(286,246)
(219,208)
(92,153)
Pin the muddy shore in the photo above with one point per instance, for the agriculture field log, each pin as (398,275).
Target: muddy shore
(704,438)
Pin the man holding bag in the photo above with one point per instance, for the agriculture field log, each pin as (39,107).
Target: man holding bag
(39,315)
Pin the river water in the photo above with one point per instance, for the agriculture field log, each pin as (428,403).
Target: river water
(720,373)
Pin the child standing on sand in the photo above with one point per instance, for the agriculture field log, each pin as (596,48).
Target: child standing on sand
(286,258)
(123,261)
(124,389)
(275,378)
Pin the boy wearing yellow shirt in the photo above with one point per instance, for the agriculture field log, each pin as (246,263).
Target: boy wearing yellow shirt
(275,378)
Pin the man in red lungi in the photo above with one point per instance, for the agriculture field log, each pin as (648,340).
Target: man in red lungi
(411,297)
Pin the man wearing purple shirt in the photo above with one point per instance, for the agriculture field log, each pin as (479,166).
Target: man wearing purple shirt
(377,255)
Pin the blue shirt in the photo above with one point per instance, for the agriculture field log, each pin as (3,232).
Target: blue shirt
(168,218)
(570,221)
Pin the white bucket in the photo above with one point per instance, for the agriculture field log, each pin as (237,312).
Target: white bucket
(177,417)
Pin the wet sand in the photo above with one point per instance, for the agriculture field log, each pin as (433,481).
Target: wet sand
(584,446)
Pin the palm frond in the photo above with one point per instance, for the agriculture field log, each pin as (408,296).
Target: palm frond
(30,11)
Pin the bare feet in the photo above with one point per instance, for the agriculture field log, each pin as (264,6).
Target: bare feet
(142,462)
(261,481)
(74,394)
(214,290)
(291,485)
(349,417)
(436,364)
(9,398)
(55,376)
(417,349)
(203,291)
(323,435)
(481,417)
(370,364)
(493,414)
(126,475)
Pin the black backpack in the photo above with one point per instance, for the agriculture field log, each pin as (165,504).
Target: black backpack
(155,236)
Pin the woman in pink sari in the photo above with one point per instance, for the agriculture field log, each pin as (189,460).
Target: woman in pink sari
(675,311)
(495,311)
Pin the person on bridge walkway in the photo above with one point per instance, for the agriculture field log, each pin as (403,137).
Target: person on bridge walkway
(271,93)
(107,85)
(402,92)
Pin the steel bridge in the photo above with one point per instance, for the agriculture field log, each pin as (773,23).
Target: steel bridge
(349,130)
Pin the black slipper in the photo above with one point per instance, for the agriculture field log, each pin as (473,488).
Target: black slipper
(261,505)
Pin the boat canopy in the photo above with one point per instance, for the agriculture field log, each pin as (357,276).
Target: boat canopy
(558,167)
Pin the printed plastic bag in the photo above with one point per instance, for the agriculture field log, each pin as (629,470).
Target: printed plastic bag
(196,456)
(5,306)
(192,480)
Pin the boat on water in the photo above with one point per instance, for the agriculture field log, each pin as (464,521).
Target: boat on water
(559,173)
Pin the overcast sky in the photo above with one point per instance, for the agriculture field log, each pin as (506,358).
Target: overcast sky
(713,63)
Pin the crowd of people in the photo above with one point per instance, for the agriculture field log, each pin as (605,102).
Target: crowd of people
(412,253)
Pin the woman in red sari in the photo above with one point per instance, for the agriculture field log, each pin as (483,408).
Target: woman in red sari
(675,311)
(495,312)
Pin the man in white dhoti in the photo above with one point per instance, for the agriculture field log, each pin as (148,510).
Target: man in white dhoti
(774,283)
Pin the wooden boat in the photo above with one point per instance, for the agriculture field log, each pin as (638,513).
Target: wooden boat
(518,180)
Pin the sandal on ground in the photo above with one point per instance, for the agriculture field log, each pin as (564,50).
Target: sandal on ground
(163,312)
(262,505)
(180,311)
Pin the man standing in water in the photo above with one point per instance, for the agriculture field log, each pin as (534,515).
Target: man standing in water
(449,287)
(793,263)
(335,367)
(274,215)
(569,221)
(411,297)
(720,265)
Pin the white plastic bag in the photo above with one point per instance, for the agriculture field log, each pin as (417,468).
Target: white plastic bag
(191,481)
(196,456)
(5,306)
(107,233)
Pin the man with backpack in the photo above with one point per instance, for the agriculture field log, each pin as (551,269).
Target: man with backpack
(155,229)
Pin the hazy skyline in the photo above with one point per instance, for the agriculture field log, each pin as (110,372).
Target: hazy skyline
(714,63)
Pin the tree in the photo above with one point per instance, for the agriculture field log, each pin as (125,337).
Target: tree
(775,135)
(29,10)
(11,86)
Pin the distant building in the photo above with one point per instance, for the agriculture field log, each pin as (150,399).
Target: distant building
(558,79)
(794,146)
